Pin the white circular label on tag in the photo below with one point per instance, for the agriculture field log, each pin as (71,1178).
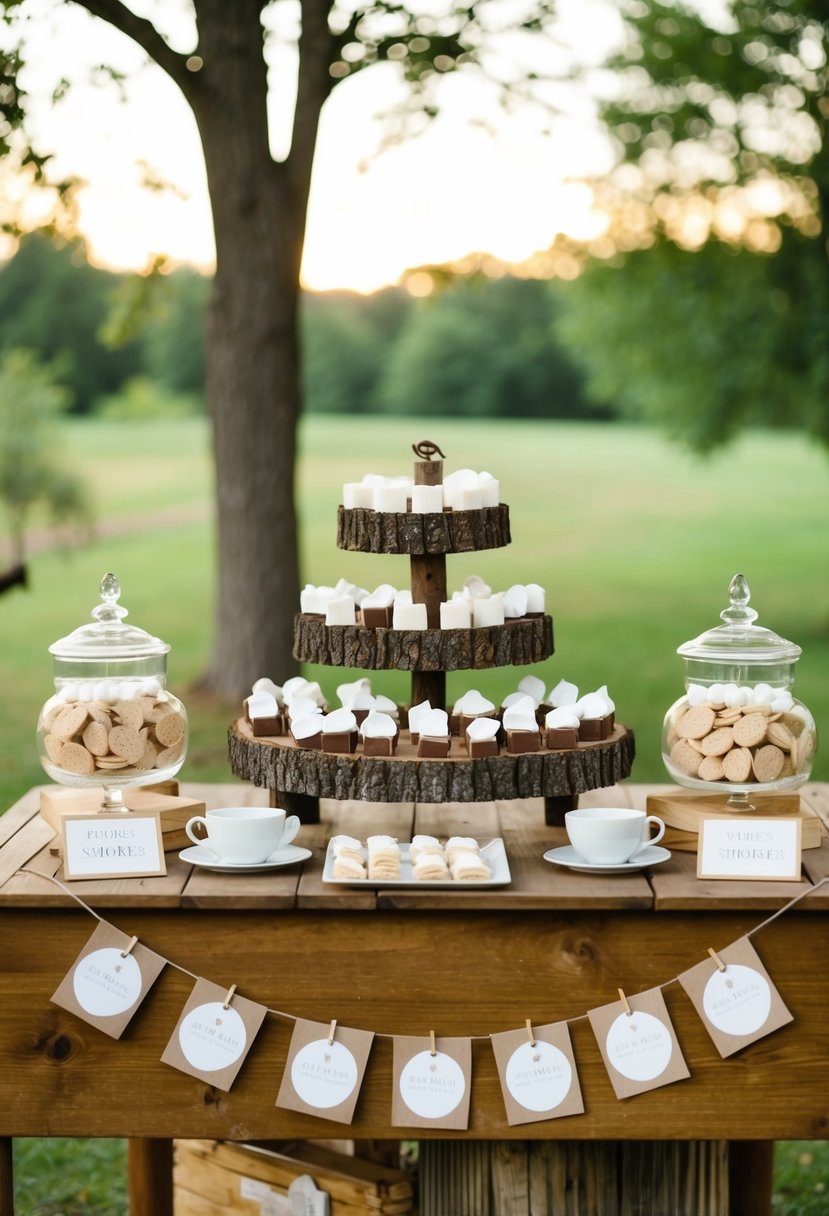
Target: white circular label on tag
(738,1000)
(211,1037)
(539,1077)
(324,1074)
(105,983)
(432,1085)
(639,1046)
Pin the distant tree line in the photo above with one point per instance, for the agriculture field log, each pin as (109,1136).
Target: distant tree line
(127,347)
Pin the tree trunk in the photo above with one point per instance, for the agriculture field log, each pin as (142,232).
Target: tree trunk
(253,378)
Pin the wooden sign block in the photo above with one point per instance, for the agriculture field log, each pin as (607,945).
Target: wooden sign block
(683,812)
(173,810)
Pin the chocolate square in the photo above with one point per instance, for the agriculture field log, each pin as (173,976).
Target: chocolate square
(342,742)
(478,748)
(379,745)
(592,730)
(455,723)
(267,726)
(519,742)
(561,738)
(312,741)
(377,618)
(432,749)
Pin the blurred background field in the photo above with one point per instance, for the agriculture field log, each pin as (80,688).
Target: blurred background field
(634,540)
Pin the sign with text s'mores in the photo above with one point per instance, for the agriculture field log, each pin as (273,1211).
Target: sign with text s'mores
(735,846)
(120,845)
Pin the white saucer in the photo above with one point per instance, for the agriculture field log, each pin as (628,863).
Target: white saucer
(198,855)
(567,856)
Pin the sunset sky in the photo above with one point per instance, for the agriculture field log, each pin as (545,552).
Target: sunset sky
(506,190)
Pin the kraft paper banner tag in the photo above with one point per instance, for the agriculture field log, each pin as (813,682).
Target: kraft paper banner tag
(538,1080)
(740,1005)
(210,1042)
(431,1090)
(640,1049)
(107,982)
(323,1078)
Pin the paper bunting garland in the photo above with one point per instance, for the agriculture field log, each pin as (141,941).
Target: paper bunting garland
(324,1070)
(537,1071)
(731,991)
(214,1034)
(108,980)
(638,1044)
(432,1080)
(733,994)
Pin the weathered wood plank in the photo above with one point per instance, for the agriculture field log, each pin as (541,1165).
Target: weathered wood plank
(677,888)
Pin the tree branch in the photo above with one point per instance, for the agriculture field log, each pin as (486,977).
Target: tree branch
(145,34)
(316,45)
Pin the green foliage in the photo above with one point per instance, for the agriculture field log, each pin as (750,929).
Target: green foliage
(172,340)
(53,303)
(342,353)
(60,1177)
(704,343)
(142,400)
(483,349)
(31,469)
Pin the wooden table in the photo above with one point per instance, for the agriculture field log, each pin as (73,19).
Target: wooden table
(550,946)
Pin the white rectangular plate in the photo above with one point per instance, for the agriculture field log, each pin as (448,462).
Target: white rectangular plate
(493,853)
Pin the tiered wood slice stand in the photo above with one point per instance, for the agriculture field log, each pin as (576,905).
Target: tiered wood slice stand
(299,777)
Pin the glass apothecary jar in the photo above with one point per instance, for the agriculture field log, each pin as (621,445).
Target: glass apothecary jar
(738,728)
(111,721)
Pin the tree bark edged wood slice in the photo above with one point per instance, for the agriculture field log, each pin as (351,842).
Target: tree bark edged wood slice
(364,531)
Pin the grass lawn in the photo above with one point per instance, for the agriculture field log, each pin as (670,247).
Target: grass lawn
(634,540)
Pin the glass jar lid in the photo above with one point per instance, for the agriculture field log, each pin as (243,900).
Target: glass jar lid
(739,639)
(108,637)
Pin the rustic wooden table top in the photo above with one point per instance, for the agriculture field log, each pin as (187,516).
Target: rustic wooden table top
(27,841)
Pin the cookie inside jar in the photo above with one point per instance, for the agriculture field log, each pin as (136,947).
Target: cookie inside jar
(111,721)
(739,725)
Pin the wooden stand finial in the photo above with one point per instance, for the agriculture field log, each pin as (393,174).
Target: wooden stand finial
(428,472)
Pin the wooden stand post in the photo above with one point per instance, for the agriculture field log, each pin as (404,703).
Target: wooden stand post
(428,576)
(304,806)
(556,808)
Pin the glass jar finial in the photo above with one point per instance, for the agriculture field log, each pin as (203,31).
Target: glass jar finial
(109,609)
(738,614)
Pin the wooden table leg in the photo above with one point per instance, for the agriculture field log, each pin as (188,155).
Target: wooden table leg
(150,1172)
(6,1177)
(750,1170)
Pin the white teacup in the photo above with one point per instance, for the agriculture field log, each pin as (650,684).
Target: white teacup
(243,834)
(610,836)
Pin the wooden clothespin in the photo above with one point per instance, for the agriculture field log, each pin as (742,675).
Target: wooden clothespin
(433,1051)
(229,997)
(530,1034)
(624,1001)
(331,1030)
(128,948)
(717,959)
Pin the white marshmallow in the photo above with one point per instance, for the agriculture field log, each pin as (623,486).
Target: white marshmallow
(764,694)
(697,694)
(355,494)
(782,702)
(591,705)
(307,727)
(403,597)
(380,597)
(341,611)
(385,705)
(536,597)
(563,716)
(434,724)
(490,490)
(362,700)
(610,705)
(338,721)
(415,715)
(375,843)
(716,692)
(266,685)
(515,601)
(300,707)
(391,498)
(347,692)
(409,616)
(378,726)
(294,687)
(455,614)
(533,687)
(473,703)
(474,588)
(564,693)
(483,728)
(520,700)
(261,705)
(487,612)
(427,499)
(516,719)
